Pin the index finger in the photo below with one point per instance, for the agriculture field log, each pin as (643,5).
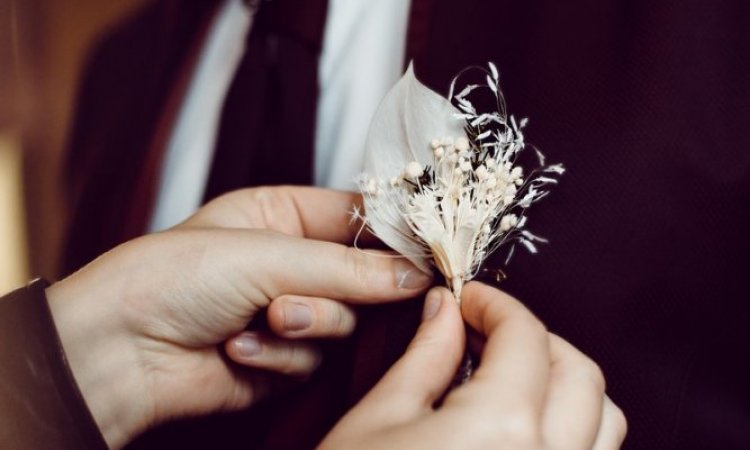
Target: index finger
(515,363)
(302,211)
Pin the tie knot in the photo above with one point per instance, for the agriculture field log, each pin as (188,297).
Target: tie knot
(299,20)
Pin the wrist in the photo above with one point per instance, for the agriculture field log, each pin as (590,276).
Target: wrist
(101,357)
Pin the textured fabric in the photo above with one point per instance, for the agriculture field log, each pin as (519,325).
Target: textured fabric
(40,404)
(647,104)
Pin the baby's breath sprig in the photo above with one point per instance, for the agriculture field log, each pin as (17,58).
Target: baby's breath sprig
(442,183)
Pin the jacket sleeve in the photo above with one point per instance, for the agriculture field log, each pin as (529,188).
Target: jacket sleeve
(40,404)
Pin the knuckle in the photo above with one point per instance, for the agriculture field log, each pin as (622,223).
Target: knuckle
(340,325)
(532,327)
(294,361)
(594,374)
(276,209)
(522,430)
(357,264)
(267,201)
(621,422)
(537,325)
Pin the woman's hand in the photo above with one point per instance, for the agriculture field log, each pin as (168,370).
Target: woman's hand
(532,390)
(143,326)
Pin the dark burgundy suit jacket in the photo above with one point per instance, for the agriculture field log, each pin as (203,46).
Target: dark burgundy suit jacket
(647,103)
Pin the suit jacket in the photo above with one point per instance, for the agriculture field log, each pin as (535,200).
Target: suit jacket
(646,102)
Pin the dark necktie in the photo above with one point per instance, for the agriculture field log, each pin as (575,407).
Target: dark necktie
(266,134)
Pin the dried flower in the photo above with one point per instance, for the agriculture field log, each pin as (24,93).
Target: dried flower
(456,192)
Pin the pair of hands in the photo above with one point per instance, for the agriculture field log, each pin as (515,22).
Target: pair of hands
(144,324)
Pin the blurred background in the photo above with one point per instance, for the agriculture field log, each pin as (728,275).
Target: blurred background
(43,47)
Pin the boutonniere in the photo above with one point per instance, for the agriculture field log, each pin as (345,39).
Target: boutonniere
(443,183)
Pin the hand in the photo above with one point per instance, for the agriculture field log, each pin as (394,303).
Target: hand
(143,325)
(532,390)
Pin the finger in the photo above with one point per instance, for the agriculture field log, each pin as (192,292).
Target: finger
(514,368)
(424,372)
(295,316)
(311,268)
(613,429)
(246,269)
(294,210)
(576,384)
(277,355)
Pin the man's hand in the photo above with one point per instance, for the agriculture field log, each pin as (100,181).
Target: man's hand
(532,389)
(143,326)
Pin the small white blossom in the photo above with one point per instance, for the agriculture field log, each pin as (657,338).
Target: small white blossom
(508,221)
(372,186)
(413,170)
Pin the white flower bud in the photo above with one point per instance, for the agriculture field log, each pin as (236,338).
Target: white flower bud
(491,182)
(395,182)
(482,173)
(462,144)
(465,165)
(372,186)
(508,221)
(435,143)
(439,152)
(516,172)
(413,170)
(491,163)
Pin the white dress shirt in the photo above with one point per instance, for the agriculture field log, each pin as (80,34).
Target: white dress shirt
(362,57)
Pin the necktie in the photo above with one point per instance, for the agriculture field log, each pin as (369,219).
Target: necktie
(267,127)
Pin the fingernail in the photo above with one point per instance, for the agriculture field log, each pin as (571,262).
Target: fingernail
(297,316)
(409,277)
(432,304)
(247,345)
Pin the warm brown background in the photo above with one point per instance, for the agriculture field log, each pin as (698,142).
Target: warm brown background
(43,46)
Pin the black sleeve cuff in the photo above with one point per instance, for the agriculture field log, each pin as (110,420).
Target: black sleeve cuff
(40,404)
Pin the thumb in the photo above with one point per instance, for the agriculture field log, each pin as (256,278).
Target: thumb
(418,379)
